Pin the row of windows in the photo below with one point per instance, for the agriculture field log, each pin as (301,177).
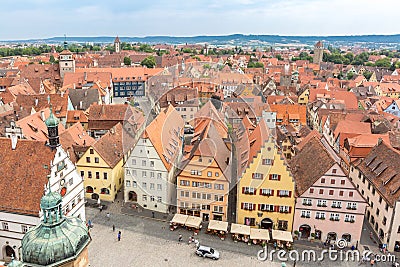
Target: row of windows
(182,109)
(97,175)
(144,174)
(152,186)
(24,228)
(196,206)
(73,203)
(152,198)
(331,192)
(201,184)
(333,181)
(334,204)
(197,195)
(322,216)
(266,192)
(266,207)
(129,93)
(199,173)
(144,162)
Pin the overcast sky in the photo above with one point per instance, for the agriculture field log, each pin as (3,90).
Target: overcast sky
(22,19)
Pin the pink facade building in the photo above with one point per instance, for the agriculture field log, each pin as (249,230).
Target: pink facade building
(328,206)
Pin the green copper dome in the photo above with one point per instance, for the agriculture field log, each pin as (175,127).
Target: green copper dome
(57,239)
(50,200)
(51,121)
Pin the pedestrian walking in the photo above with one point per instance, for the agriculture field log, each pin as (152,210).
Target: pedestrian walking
(101,208)
(119,235)
(113,228)
(180,238)
(108,216)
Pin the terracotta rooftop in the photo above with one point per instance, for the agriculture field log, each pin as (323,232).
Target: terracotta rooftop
(74,137)
(41,101)
(304,168)
(381,168)
(165,133)
(22,186)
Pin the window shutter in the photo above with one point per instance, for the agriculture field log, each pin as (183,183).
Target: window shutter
(254,206)
(260,191)
(270,176)
(272,192)
(272,162)
(262,176)
(242,205)
(276,208)
(290,193)
(278,192)
(252,175)
(279,177)
(290,209)
(255,191)
(259,206)
(242,190)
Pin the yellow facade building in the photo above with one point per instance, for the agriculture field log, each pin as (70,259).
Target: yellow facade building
(101,166)
(266,188)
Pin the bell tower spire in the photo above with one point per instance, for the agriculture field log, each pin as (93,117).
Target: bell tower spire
(52,130)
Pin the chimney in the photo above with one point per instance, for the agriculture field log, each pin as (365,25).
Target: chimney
(80,104)
(85,93)
(379,141)
(42,115)
(36,101)
(85,75)
(14,140)
(74,86)
(62,94)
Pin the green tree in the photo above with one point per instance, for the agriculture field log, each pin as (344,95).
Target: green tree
(350,75)
(146,48)
(384,63)
(279,57)
(149,62)
(52,59)
(367,74)
(127,61)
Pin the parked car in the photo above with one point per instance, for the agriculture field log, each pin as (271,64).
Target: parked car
(207,252)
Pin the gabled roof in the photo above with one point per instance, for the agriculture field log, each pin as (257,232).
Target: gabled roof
(165,133)
(39,101)
(23,175)
(75,136)
(304,168)
(34,128)
(110,146)
(381,168)
(258,138)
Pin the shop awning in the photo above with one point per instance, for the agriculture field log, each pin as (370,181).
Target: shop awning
(240,229)
(259,234)
(193,221)
(218,225)
(282,235)
(179,218)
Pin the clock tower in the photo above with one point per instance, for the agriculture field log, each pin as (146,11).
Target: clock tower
(52,130)
(67,61)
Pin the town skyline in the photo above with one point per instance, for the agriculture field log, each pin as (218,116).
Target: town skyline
(195,18)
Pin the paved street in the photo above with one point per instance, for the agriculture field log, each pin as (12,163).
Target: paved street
(148,241)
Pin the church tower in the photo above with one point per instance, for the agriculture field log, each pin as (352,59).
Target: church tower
(52,130)
(318,52)
(117,45)
(57,240)
(67,61)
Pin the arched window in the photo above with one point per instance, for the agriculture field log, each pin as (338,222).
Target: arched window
(89,189)
(105,191)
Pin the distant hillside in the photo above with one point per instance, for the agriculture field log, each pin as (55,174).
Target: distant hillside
(236,39)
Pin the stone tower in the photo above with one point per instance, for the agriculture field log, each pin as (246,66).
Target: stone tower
(117,45)
(57,240)
(67,61)
(52,130)
(318,52)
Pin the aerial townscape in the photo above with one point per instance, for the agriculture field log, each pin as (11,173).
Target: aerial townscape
(157,152)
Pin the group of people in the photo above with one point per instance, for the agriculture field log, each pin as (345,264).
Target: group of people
(191,240)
